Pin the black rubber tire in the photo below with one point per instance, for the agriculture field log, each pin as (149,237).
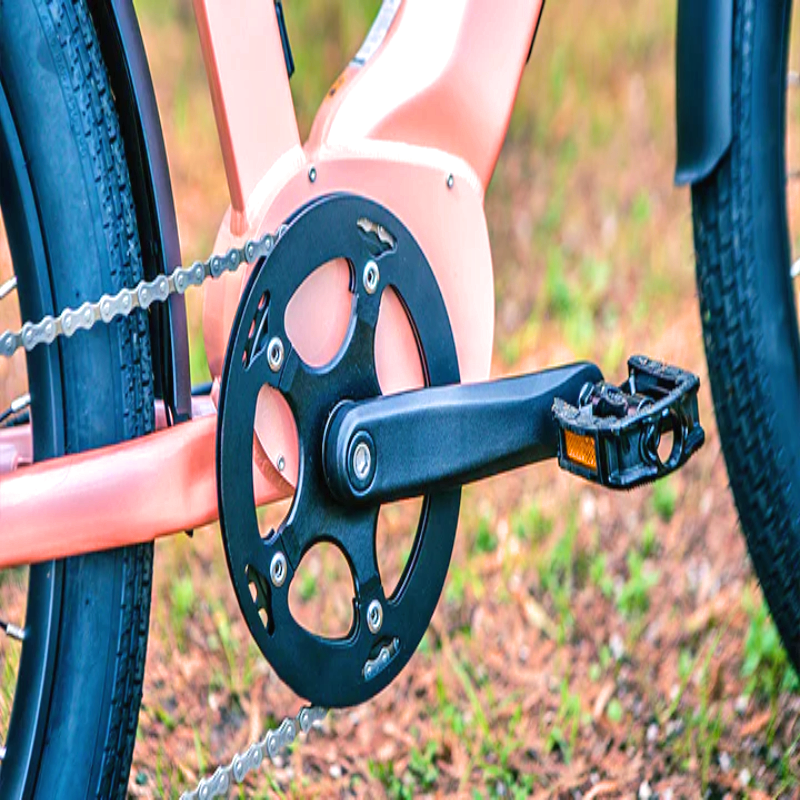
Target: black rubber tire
(750,324)
(57,88)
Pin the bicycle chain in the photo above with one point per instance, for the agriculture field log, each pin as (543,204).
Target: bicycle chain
(126,301)
(123,304)
(272,745)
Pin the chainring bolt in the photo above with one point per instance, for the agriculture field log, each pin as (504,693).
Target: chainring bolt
(277,570)
(275,354)
(372,277)
(374,616)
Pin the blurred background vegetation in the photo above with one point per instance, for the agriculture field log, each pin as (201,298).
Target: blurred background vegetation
(586,644)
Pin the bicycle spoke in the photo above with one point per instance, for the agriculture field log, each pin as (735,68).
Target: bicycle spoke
(22,403)
(6,288)
(13,631)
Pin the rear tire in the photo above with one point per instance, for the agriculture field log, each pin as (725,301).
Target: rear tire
(747,303)
(100,391)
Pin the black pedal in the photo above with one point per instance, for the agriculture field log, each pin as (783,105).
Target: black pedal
(614,437)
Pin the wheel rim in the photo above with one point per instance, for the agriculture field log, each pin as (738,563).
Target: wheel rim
(36,665)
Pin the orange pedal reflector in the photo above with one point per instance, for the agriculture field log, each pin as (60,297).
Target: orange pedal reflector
(581,449)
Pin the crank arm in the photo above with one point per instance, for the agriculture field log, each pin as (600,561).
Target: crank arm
(427,440)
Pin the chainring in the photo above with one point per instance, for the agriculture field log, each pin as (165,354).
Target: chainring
(345,671)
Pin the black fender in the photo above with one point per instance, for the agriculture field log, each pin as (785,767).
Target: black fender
(129,73)
(703,86)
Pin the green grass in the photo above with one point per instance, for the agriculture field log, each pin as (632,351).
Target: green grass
(614,710)
(600,576)
(485,537)
(563,735)
(766,665)
(503,777)
(634,595)
(789,769)
(395,787)
(703,722)
(308,586)
(558,293)
(183,602)
(420,776)
(199,752)
(240,660)
(640,208)
(648,542)
(462,581)
(529,524)
(563,569)
(665,497)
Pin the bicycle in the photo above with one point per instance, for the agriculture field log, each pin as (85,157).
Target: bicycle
(348,326)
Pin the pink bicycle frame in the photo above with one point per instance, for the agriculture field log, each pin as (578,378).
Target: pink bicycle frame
(416,123)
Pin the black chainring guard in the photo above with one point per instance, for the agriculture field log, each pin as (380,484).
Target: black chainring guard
(330,672)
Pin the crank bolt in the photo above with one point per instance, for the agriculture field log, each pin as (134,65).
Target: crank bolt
(312,174)
(372,277)
(275,354)
(362,461)
(374,616)
(277,570)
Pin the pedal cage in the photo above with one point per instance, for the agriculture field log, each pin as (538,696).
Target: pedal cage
(613,437)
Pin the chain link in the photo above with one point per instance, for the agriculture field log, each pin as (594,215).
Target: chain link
(272,745)
(126,301)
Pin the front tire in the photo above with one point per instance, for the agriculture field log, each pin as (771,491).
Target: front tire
(747,303)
